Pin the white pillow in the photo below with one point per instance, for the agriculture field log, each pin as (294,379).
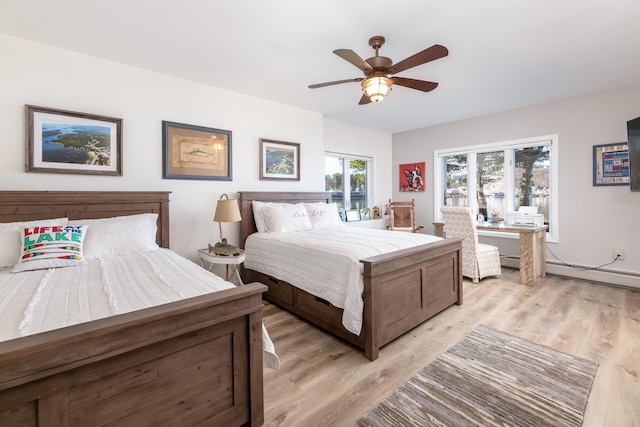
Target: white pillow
(257,213)
(51,246)
(323,215)
(286,219)
(119,235)
(11,240)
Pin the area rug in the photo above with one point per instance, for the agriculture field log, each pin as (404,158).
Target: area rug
(491,379)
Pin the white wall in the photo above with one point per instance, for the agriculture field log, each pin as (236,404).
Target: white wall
(45,76)
(344,138)
(593,220)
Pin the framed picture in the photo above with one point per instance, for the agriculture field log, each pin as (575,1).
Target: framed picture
(60,141)
(279,160)
(411,177)
(353,215)
(376,212)
(611,164)
(195,152)
(366,214)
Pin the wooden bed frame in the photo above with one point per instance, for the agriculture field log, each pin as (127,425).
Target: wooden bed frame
(191,362)
(402,289)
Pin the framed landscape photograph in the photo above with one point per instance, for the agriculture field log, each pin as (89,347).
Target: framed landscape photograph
(195,152)
(611,164)
(60,141)
(279,160)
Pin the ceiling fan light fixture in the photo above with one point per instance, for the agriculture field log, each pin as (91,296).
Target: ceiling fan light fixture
(376,88)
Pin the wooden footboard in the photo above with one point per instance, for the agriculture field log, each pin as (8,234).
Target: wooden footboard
(189,362)
(402,289)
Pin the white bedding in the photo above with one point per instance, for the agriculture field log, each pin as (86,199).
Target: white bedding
(326,262)
(42,300)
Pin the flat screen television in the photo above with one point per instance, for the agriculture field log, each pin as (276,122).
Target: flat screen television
(633,131)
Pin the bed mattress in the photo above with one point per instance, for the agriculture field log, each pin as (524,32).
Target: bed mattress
(42,300)
(326,262)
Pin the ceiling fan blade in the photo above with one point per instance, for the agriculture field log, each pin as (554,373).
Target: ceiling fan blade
(364,100)
(429,54)
(337,82)
(415,84)
(354,58)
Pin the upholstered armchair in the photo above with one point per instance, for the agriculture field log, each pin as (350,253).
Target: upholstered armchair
(478,259)
(402,217)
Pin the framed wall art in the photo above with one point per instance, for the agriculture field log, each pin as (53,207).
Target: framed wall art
(279,160)
(411,176)
(611,164)
(195,152)
(60,141)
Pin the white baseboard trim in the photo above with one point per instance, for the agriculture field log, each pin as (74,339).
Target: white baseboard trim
(606,277)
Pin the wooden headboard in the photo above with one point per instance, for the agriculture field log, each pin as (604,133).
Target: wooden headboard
(34,205)
(245,199)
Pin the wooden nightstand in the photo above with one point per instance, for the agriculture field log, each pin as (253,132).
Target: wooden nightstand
(233,260)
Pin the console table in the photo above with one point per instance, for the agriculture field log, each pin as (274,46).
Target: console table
(533,248)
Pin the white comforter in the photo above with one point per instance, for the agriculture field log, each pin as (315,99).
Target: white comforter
(326,262)
(42,300)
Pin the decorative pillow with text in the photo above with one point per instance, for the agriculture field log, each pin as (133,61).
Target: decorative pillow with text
(286,219)
(10,240)
(323,215)
(51,246)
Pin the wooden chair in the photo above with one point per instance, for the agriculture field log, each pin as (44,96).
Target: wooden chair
(402,217)
(478,259)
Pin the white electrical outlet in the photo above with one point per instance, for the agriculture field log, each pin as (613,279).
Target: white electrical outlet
(619,253)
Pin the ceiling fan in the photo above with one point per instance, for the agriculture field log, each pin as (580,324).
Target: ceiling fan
(379,71)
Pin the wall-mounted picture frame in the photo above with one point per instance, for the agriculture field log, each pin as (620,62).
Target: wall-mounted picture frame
(279,160)
(195,152)
(62,141)
(411,176)
(611,164)
(353,215)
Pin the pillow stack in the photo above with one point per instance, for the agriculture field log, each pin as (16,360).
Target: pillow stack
(58,242)
(294,217)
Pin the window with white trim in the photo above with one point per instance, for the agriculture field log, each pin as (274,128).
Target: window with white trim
(500,177)
(342,171)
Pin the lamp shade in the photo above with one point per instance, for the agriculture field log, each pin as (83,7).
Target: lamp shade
(227,211)
(376,88)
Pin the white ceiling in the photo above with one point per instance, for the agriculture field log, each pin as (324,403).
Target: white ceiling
(503,54)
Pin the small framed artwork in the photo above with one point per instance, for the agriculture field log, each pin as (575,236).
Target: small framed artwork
(611,164)
(353,215)
(366,214)
(411,177)
(376,212)
(60,141)
(195,152)
(279,160)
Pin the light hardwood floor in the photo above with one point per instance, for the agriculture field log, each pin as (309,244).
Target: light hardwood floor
(326,382)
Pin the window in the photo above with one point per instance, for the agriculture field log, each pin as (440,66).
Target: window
(343,171)
(500,177)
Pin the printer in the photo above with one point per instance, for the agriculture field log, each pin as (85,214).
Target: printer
(526,215)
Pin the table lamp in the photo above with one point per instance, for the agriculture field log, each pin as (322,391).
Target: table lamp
(226,211)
